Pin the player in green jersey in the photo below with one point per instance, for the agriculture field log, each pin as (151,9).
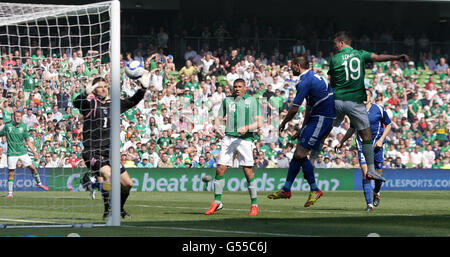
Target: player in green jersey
(16,132)
(243,118)
(346,74)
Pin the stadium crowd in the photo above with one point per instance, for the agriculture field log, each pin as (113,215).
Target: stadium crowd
(173,125)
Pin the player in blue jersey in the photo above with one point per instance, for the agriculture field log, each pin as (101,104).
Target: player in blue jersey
(380,126)
(319,116)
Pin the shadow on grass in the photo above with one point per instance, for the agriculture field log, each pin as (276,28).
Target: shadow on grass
(427,225)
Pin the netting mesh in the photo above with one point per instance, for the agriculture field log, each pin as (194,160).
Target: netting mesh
(47,53)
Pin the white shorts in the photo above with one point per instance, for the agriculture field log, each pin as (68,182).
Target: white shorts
(12,161)
(232,147)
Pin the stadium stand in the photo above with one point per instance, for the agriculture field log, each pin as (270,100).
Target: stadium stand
(172,126)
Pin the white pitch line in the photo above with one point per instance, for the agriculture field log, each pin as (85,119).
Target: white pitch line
(295,211)
(27,221)
(219,231)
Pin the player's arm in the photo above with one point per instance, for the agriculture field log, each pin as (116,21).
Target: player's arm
(258,120)
(219,119)
(251,127)
(380,141)
(302,90)
(83,103)
(307,116)
(128,103)
(305,121)
(31,145)
(289,116)
(387,122)
(29,139)
(387,57)
(347,135)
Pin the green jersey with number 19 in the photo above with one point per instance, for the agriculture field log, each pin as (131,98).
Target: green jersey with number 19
(347,70)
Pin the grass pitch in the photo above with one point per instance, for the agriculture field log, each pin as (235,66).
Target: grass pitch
(164,214)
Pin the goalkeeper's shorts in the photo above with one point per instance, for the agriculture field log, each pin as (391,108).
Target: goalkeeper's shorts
(96,159)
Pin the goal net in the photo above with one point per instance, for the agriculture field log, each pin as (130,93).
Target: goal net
(47,55)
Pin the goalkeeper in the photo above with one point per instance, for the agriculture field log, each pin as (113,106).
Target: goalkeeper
(95,107)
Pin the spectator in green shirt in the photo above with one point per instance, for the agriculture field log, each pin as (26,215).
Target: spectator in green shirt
(414,108)
(410,71)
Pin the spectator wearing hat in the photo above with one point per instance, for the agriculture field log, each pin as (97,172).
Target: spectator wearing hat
(282,160)
(144,163)
(410,71)
(187,163)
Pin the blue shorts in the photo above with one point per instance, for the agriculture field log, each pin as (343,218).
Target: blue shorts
(313,132)
(378,156)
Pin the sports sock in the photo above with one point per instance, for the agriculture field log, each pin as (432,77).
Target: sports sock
(124,193)
(37,178)
(294,169)
(377,186)
(252,190)
(219,184)
(308,173)
(10,185)
(105,188)
(367,149)
(367,188)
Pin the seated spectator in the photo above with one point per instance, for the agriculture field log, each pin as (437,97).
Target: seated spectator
(398,164)
(165,162)
(144,163)
(281,160)
(442,66)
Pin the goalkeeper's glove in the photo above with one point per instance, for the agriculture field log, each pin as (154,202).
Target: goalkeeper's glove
(89,87)
(145,79)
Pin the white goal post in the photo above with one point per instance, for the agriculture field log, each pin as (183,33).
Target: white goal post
(39,38)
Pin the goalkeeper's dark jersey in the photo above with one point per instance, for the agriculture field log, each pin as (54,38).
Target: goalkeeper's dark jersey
(96,124)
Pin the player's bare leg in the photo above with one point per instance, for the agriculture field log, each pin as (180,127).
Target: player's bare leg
(126,184)
(105,188)
(36,177)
